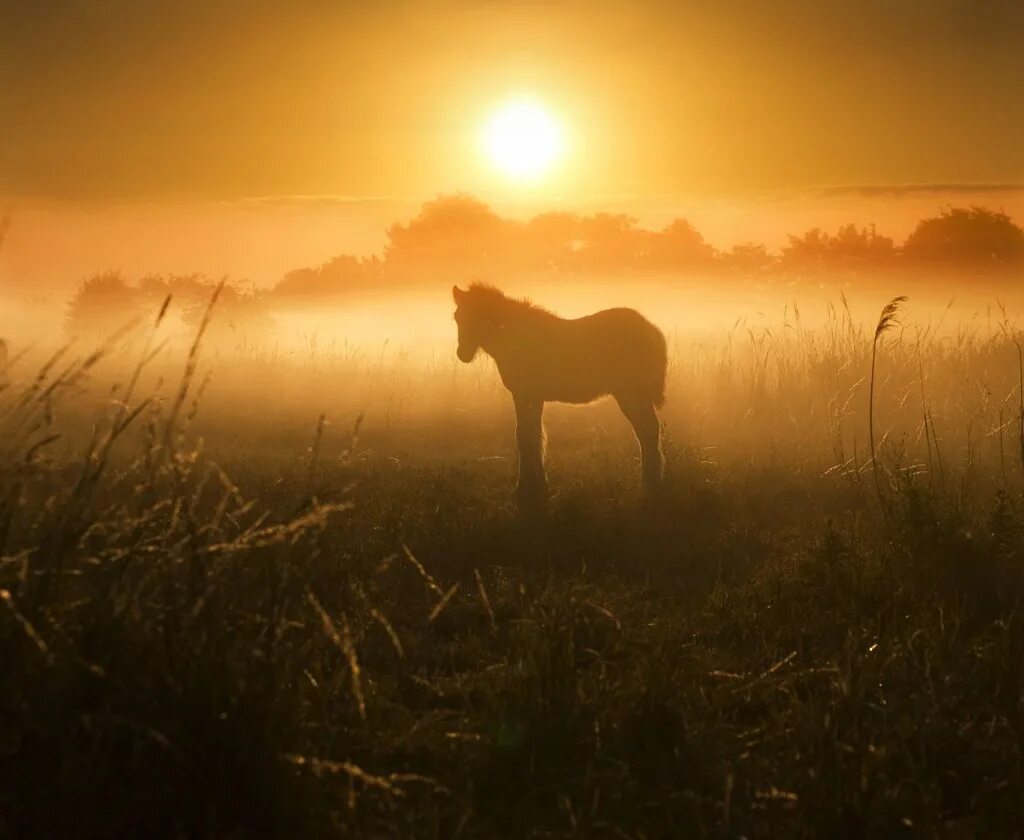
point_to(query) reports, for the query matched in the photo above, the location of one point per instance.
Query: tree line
(458, 236)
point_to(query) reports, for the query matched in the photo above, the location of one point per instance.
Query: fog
(782, 334)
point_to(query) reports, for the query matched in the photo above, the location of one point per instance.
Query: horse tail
(660, 368)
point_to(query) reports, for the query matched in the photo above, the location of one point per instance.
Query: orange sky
(116, 98)
(137, 135)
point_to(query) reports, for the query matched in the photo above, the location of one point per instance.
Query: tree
(861, 246)
(973, 235)
(104, 304)
(678, 246)
(850, 247)
(552, 239)
(342, 275)
(453, 235)
(611, 241)
(747, 257)
(107, 303)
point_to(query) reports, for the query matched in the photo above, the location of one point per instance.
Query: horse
(544, 358)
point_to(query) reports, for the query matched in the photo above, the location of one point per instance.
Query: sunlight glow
(523, 139)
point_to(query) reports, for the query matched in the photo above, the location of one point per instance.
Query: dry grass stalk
(343, 641)
(887, 320)
(485, 600)
(427, 577)
(445, 600)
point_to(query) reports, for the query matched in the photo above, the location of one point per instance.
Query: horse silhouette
(544, 358)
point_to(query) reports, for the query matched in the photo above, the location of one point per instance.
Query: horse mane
(491, 298)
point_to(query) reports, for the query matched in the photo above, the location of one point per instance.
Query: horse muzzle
(466, 354)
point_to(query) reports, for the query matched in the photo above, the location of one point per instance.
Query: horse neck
(522, 331)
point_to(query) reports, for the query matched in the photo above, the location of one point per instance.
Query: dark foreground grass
(270, 640)
(382, 648)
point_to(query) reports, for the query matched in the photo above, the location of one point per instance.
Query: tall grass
(212, 626)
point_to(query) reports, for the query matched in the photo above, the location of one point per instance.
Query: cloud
(313, 200)
(898, 190)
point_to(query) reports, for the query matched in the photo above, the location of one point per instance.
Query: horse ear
(457, 294)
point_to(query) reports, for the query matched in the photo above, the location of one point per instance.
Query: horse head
(478, 319)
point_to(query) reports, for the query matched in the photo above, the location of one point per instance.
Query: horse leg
(532, 484)
(644, 419)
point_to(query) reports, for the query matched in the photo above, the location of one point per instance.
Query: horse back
(614, 351)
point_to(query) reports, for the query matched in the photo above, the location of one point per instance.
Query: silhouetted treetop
(342, 275)
(611, 241)
(103, 304)
(458, 237)
(747, 258)
(452, 231)
(554, 239)
(967, 235)
(849, 247)
(463, 234)
(108, 302)
(679, 245)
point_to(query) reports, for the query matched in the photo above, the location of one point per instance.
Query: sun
(523, 140)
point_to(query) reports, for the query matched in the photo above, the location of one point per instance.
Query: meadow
(250, 591)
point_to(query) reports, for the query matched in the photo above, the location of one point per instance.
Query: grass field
(297, 600)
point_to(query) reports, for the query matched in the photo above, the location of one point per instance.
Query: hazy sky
(197, 98)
